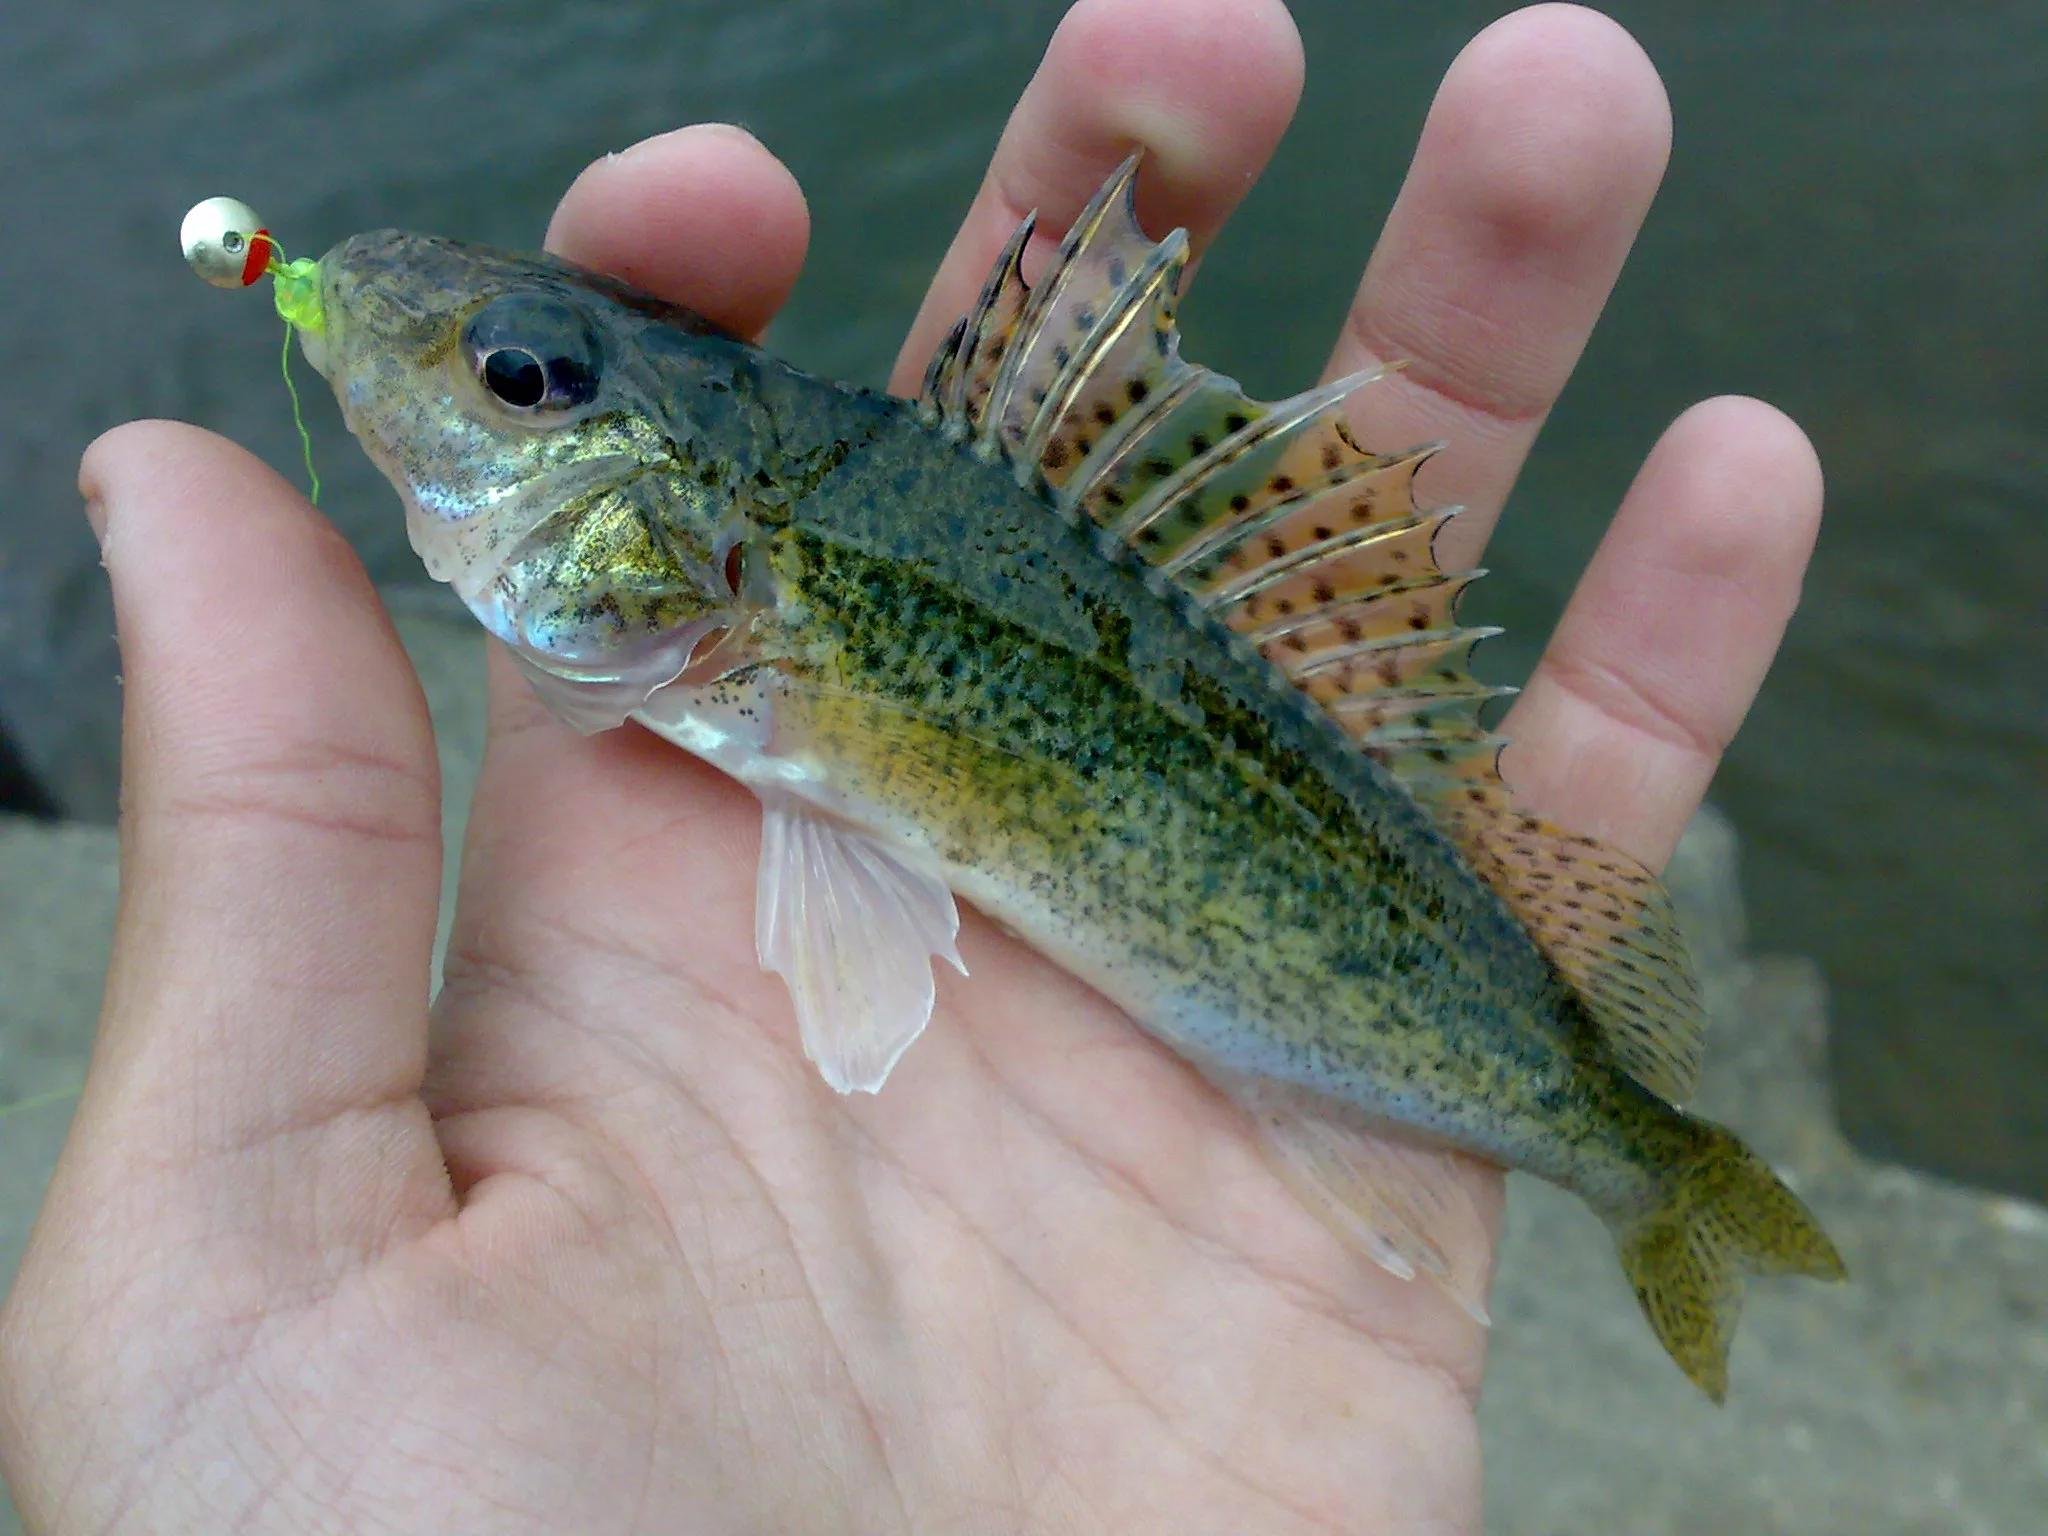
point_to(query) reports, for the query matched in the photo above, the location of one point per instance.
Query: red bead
(257, 262)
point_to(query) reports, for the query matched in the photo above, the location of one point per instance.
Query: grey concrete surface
(1912, 1402)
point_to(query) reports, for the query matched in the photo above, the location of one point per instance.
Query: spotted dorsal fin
(1604, 921)
(1273, 518)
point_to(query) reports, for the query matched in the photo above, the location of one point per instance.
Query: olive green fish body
(1164, 678)
(1110, 772)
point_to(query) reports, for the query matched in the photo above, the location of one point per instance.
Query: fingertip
(110, 459)
(1746, 484)
(705, 216)
(1155, 73)
(280, 791)
(1205, 87)
(1751, 437)
(151, 467)
(1668, 637)
(1536, 167)
(234, 597)
(149, 450)
(1561, 122)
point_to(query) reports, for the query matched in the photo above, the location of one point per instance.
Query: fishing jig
(226, 244)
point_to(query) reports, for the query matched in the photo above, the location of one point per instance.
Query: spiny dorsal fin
(1275, 519)
(964, 368)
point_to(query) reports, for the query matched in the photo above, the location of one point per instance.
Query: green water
(1854, 227)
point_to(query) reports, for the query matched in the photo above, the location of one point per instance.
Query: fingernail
(724, 131)
(731, 131)
(96, 519)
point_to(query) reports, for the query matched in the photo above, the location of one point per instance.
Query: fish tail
(1720, 1215)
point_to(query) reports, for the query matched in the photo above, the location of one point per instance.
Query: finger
(1672, 627)
(704, 216)
(1538, 161)
(1204, 87)
(280, 817)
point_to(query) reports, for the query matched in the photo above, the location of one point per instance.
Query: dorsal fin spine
(1332, 659)
(1251, 581)
(1388, 705)
(1230, 534)
(1008, 268)
(1160, 273)
(1047, 293)
(1141, 513)
(1126, 437)
(1286, 624)
(929, 406)
(1284, 417)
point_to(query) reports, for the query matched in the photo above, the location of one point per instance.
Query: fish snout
(390, 292)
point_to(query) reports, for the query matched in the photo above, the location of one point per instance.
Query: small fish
(1164, 678)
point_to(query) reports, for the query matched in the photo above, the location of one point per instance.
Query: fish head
(532, 433)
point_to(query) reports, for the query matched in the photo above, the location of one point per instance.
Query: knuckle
(1625, 699)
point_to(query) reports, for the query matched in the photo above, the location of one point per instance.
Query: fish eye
(534, 353)
(516, 377)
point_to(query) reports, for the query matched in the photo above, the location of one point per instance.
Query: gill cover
(516, 406)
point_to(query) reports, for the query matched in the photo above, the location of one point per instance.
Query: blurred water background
(1855, 227)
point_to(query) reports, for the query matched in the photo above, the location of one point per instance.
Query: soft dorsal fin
(1272, 517)
(1604, 921)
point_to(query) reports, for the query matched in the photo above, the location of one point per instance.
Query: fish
(1162, 678)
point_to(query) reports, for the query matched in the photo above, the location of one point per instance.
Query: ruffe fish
(1163, 678)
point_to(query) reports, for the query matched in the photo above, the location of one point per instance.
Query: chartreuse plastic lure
(1166, 679)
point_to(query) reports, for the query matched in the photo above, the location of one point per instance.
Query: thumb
(280, 842)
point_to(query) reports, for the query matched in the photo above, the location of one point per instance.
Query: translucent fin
(1276, 520)
(852, 929)
(1723, 1214)
(594, 701)
(1080, 327)
(964, 368)
(941, 375)
(1407, 1207)
(585, 706)
(1605, 922)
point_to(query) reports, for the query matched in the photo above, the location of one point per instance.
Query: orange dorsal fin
(1280, 524)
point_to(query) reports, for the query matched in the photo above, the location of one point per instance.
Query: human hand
(591, 1249)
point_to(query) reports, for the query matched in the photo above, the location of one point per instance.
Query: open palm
(588, 1248)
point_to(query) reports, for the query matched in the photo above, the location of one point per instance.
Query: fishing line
(226, 244)
(284, 364)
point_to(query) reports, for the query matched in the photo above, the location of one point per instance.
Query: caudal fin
(1724, 1215)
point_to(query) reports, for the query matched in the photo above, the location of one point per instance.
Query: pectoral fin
(852, 927)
